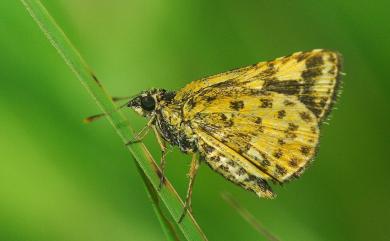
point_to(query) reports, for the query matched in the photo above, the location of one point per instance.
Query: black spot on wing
(223, 117)
(288, 103)
(323, 101)
(241, 171)
(237, 105)
(302, 56)
(332, 59)
(305, 150)
(305, 116)
(280, 170)
(215, 159)
(263, 185)
(210, 128)
(207, 148)
(293, 162)
(270, 70)
(337, 60)
(281, 142)
(288, 87)
(225, 169)
(290, 131)
(285, 59)
(265, 163)
(224, 84)
(310, 103)
(265, 103)
(210, 98)
(332, 70)
(281, 114)
(310, 74)
(291, 135)
(314, 61)
(245, 138)
(278, 154)
(258, 120)
(292, 127)
(313, 129)
(313, 71)
(229, 123)
(231, 163)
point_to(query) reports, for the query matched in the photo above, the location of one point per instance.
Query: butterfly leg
(163, 147)
(142, 133)
(192, 174)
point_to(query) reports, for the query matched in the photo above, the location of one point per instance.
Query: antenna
(98, 116)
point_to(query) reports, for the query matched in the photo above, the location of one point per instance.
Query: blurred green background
(63, 180)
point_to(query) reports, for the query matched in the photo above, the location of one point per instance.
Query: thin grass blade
(168, 195)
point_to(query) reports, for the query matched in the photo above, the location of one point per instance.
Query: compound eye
(148, 103)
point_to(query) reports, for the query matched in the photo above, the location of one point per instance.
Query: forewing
(313, 77)
(274, 132)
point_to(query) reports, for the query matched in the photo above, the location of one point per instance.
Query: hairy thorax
(175, 130)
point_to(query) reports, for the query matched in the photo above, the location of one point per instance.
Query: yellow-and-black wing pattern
(313, 76)
(270, 135)
(261, 122)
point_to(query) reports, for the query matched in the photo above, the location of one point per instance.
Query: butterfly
(253, 125)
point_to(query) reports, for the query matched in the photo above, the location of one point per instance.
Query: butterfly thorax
(174, 129)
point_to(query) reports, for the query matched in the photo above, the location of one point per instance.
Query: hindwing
(275, 134)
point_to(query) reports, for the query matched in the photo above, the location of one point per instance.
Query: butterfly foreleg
(142, 133)
(163, 147)
(192, 174)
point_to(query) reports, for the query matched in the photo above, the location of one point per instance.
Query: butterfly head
(147, 102)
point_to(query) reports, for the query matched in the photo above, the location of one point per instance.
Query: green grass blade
(139, 152)
(167, 224)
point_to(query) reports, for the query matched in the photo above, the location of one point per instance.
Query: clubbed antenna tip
(93, 118)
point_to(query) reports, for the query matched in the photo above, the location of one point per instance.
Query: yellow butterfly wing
(261, 122)
(312, 76)
(275, 134)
